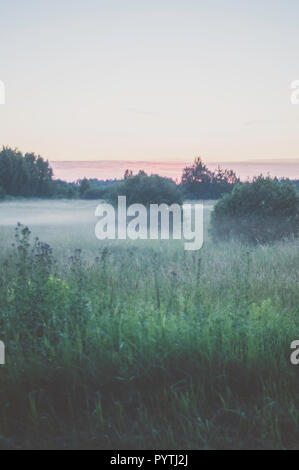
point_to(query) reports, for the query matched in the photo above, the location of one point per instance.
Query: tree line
(29, 175)
(24, 175)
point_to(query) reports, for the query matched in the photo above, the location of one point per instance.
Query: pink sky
(71, 171)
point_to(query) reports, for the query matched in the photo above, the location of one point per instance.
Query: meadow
(142, 345)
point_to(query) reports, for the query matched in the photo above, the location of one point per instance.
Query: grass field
(142, 345)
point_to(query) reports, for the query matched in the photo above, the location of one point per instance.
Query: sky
(150, 80)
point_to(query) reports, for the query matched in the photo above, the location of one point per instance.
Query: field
(142, 345)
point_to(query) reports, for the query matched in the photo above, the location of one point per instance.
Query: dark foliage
(263, 211)
(144, 189)
(95, 193)
(198, 182)
(64, 190)
(24, 175)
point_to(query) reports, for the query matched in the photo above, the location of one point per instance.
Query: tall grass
(148, 346)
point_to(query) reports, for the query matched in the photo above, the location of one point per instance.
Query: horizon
(107, 169)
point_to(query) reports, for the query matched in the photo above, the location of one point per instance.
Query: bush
(94, 193)
(263, 211)
(64, 190)
(144, 189)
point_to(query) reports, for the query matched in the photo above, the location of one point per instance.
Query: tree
(196, 179)
(83, 187)
(223, 182)
(128, 174)
(95, 193)
(198, 182)
(263, 211)
(64, 190)
(25, 175)
(144, 189)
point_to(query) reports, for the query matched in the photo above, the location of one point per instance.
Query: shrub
(94, 193)
(64, 190)
(144, 189)
(263, 211)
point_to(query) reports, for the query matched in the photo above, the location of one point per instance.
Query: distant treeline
(24, 175)
(29, 175)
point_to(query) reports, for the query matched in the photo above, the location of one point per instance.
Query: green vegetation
(263, 211)
(198, 182)
(30, 176)
(144, 189)
(143, 345)
(63, 190)
(24, 175)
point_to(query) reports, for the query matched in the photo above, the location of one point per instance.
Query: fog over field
(48, 212)
(64, 224)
